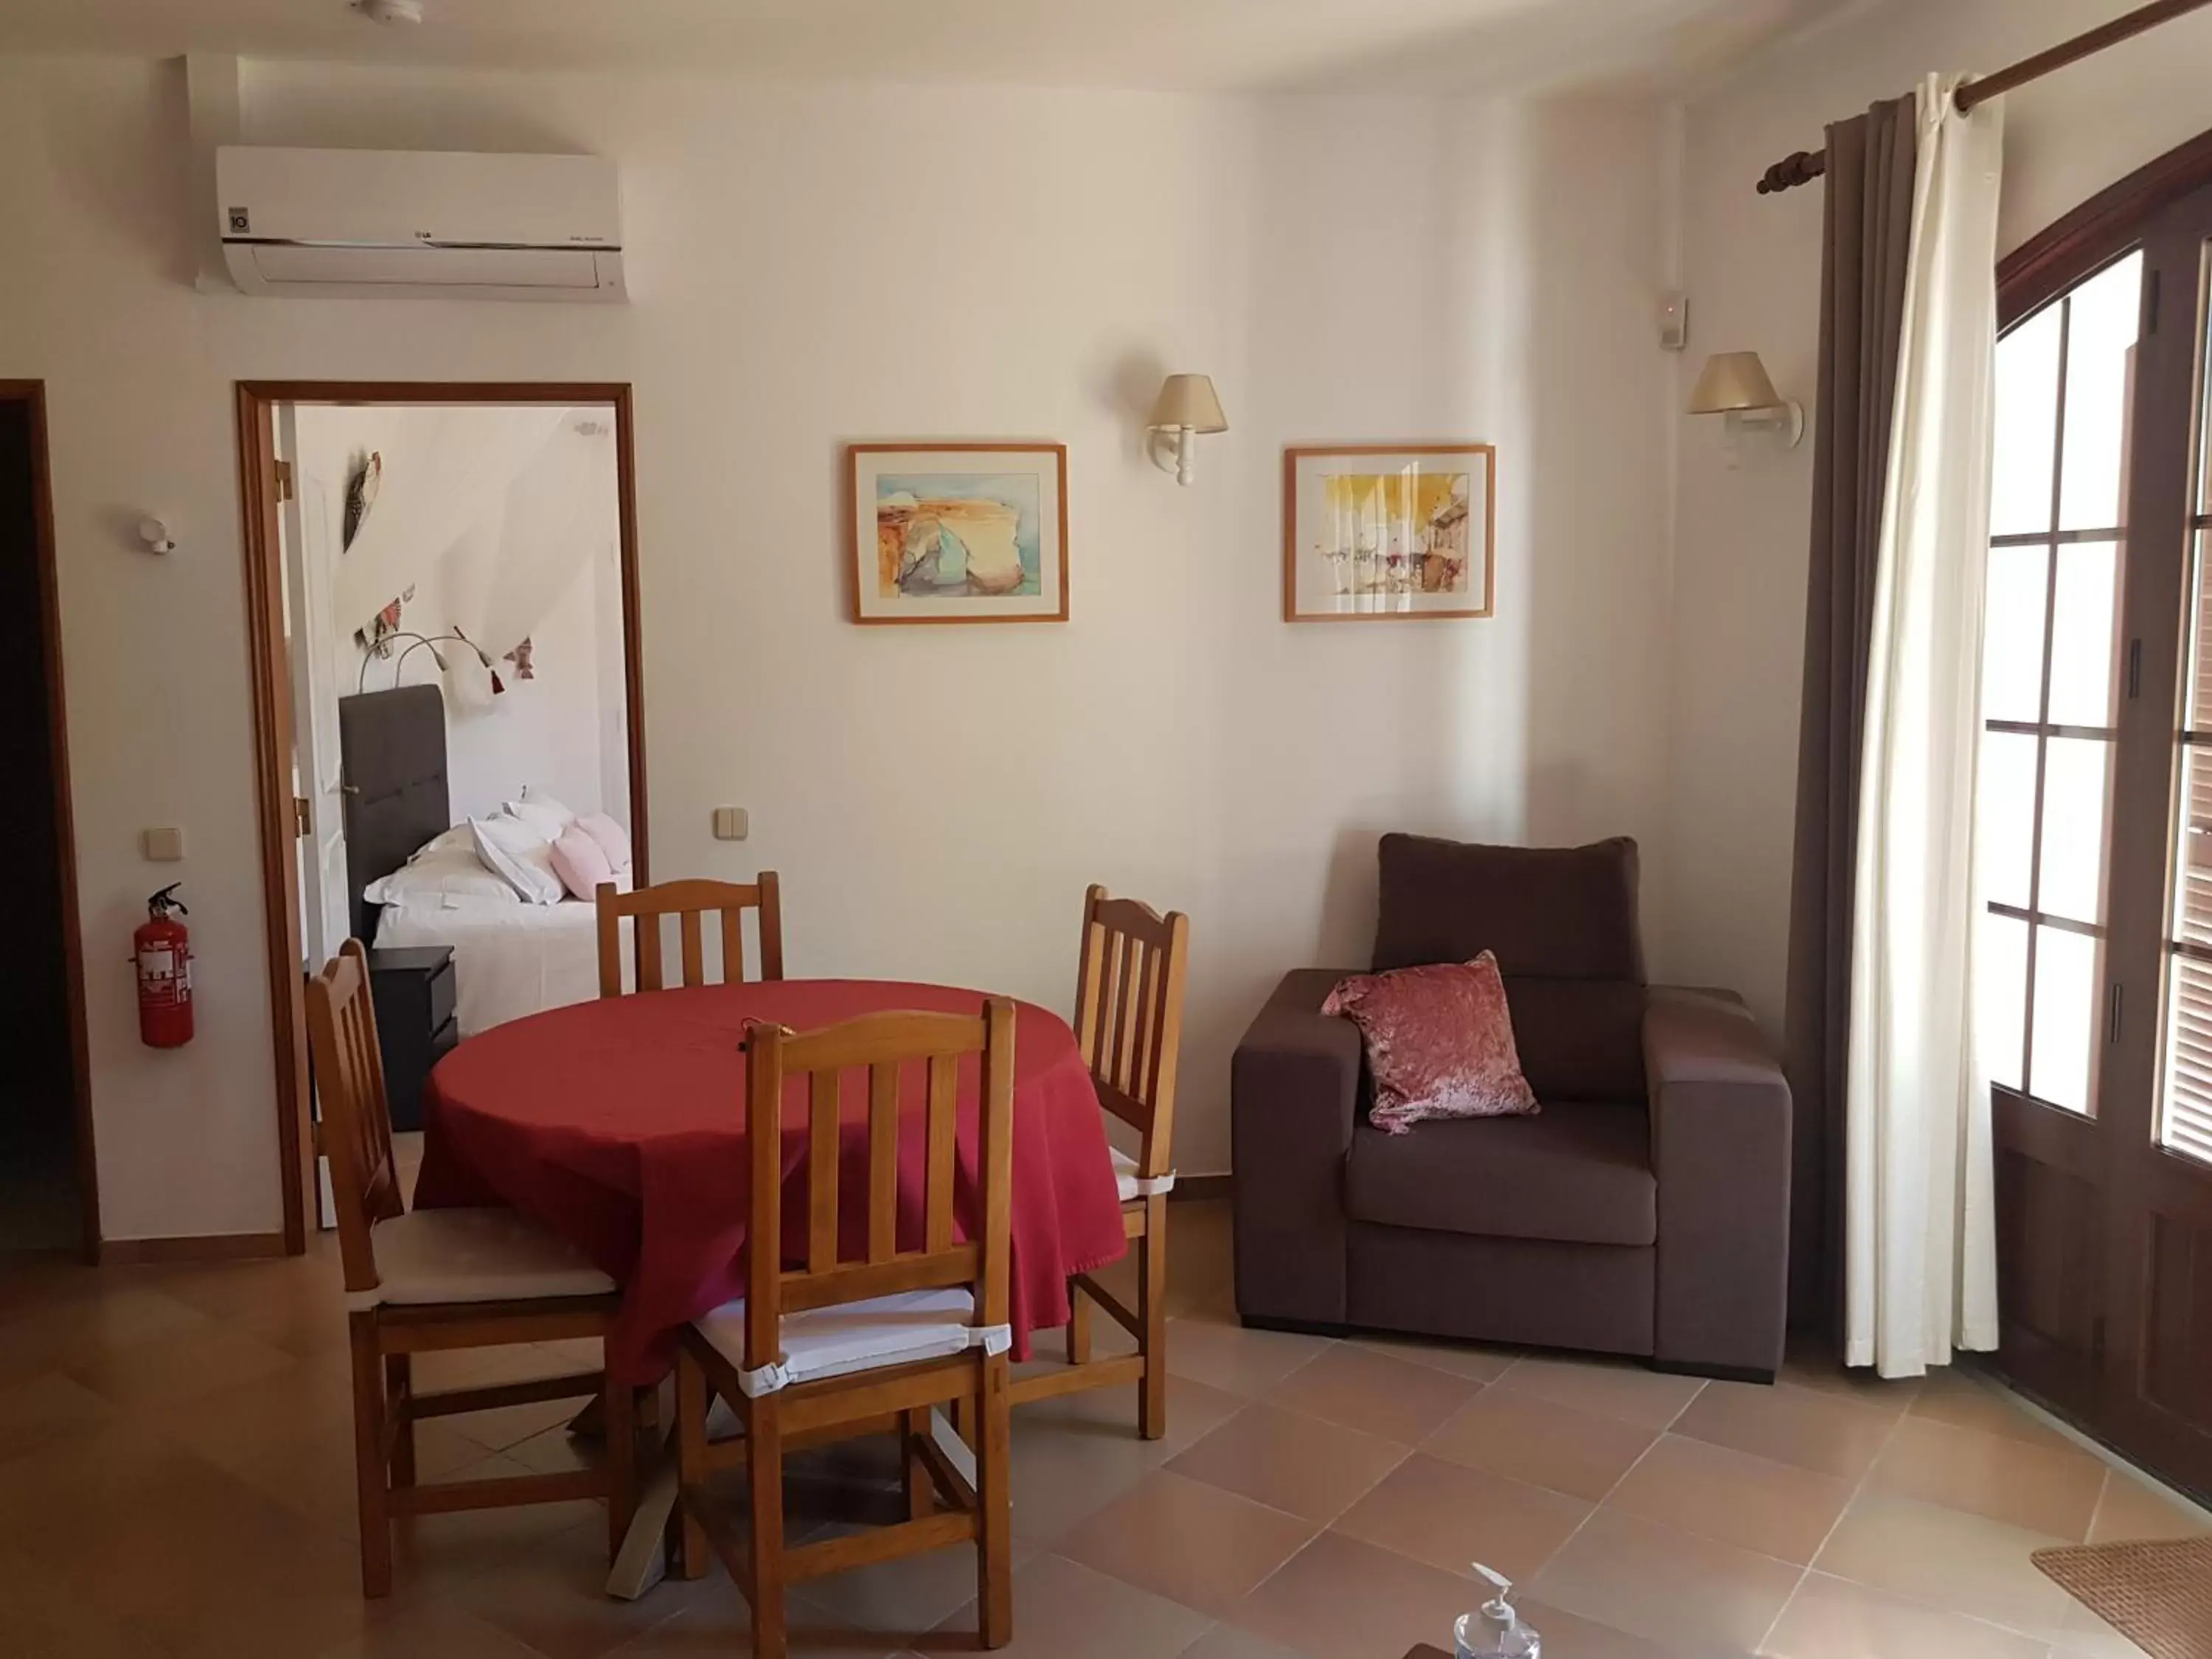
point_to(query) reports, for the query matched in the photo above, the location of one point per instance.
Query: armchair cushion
(1579, 1174)
(1546, 912)
(1579, 1039)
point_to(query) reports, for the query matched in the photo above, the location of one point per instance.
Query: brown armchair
(1645, 1211)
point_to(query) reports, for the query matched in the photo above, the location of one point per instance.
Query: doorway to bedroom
(445, 672)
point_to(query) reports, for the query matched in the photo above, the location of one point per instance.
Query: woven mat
(2159, 1595)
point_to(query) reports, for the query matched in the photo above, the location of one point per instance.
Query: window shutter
(2189, 1058)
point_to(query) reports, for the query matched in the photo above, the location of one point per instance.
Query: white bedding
(509, 960)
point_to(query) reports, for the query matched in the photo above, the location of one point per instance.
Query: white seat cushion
(474, 1255)
(1132, 1186)
(856, 1336)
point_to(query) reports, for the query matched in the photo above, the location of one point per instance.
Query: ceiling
(1319, 45)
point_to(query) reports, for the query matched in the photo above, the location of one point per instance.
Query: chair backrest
(890, 1047)
(1562, 922)
(1128, 1015)
(356, 1116)
(689, 902)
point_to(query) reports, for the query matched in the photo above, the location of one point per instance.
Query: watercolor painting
(959, 532)
(951, 535)
(1372, 531)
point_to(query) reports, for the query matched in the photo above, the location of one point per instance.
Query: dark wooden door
(2097, 836)
(2158, 1381)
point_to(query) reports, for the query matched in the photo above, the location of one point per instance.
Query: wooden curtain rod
(1803, 167)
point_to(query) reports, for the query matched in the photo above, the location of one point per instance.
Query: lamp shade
(1188, 400)
(1733, 381)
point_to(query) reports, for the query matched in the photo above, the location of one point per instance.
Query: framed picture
(1376, 530)
(958, 532)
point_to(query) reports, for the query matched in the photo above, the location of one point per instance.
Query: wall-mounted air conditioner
(395, 224)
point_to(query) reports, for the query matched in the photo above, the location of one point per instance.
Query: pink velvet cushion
(1439, 1042)
(580, 862)
(613, 839)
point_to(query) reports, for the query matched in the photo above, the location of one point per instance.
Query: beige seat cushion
(856, 1336)
(474, 1255)
(1131, 1184)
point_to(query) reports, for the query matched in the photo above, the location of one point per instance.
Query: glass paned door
(2095, 821)
(2057, 529)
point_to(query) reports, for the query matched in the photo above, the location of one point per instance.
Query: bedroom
(454, 586)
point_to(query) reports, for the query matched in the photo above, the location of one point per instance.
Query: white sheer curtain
(1920, 1262)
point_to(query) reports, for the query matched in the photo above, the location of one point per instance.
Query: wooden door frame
(269, 666)
(31, 394)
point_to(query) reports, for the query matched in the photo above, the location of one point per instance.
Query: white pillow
(519, 853)
(460, 837)
(547, 816)
(442, 870)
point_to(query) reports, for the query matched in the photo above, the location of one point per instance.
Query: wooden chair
(435, 1279)
(1129, 1021)
(689, 901)
(840, 1348)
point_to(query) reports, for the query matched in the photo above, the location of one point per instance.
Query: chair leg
(764, 1484)
(1078, 1325)
(622, 1460)
(995, 1556)
(399, 1397)
(690, 1538)
(920, 1485)
(369, 1474)
(1152, 1314)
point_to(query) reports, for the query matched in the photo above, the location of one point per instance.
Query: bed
(509, 960)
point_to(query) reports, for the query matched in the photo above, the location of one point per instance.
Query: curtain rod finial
(1798, 168)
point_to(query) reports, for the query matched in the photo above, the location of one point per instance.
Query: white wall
(1753, 271)
(519, 537)
(812, 267)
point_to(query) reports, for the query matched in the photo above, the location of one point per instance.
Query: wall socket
(730, 823)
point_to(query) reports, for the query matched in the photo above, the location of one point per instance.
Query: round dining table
(619, 1125)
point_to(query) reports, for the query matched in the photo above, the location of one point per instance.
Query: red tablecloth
(618, 1125)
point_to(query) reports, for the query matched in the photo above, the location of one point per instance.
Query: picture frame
(956, 533)
(1375, 533)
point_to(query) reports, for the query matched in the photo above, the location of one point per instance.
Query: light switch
(161, 845)
(730, 823)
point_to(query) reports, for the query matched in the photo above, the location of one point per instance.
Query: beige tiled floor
(176, 1480)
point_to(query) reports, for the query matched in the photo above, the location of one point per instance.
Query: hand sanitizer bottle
(1497, 1631)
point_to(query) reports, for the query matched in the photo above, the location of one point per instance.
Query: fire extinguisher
(162, 949)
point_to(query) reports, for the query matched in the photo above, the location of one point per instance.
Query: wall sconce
(429, 642)
(1185, 407)
(1735, 383)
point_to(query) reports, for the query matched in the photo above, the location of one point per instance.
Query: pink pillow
(1439, 1042)
(581, 863)
(612, 838)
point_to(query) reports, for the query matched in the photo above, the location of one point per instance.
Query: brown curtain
(1863, 265)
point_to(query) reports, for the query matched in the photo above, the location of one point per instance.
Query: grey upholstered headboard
(393, 746)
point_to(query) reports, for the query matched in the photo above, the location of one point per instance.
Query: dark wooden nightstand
(415, 1024)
